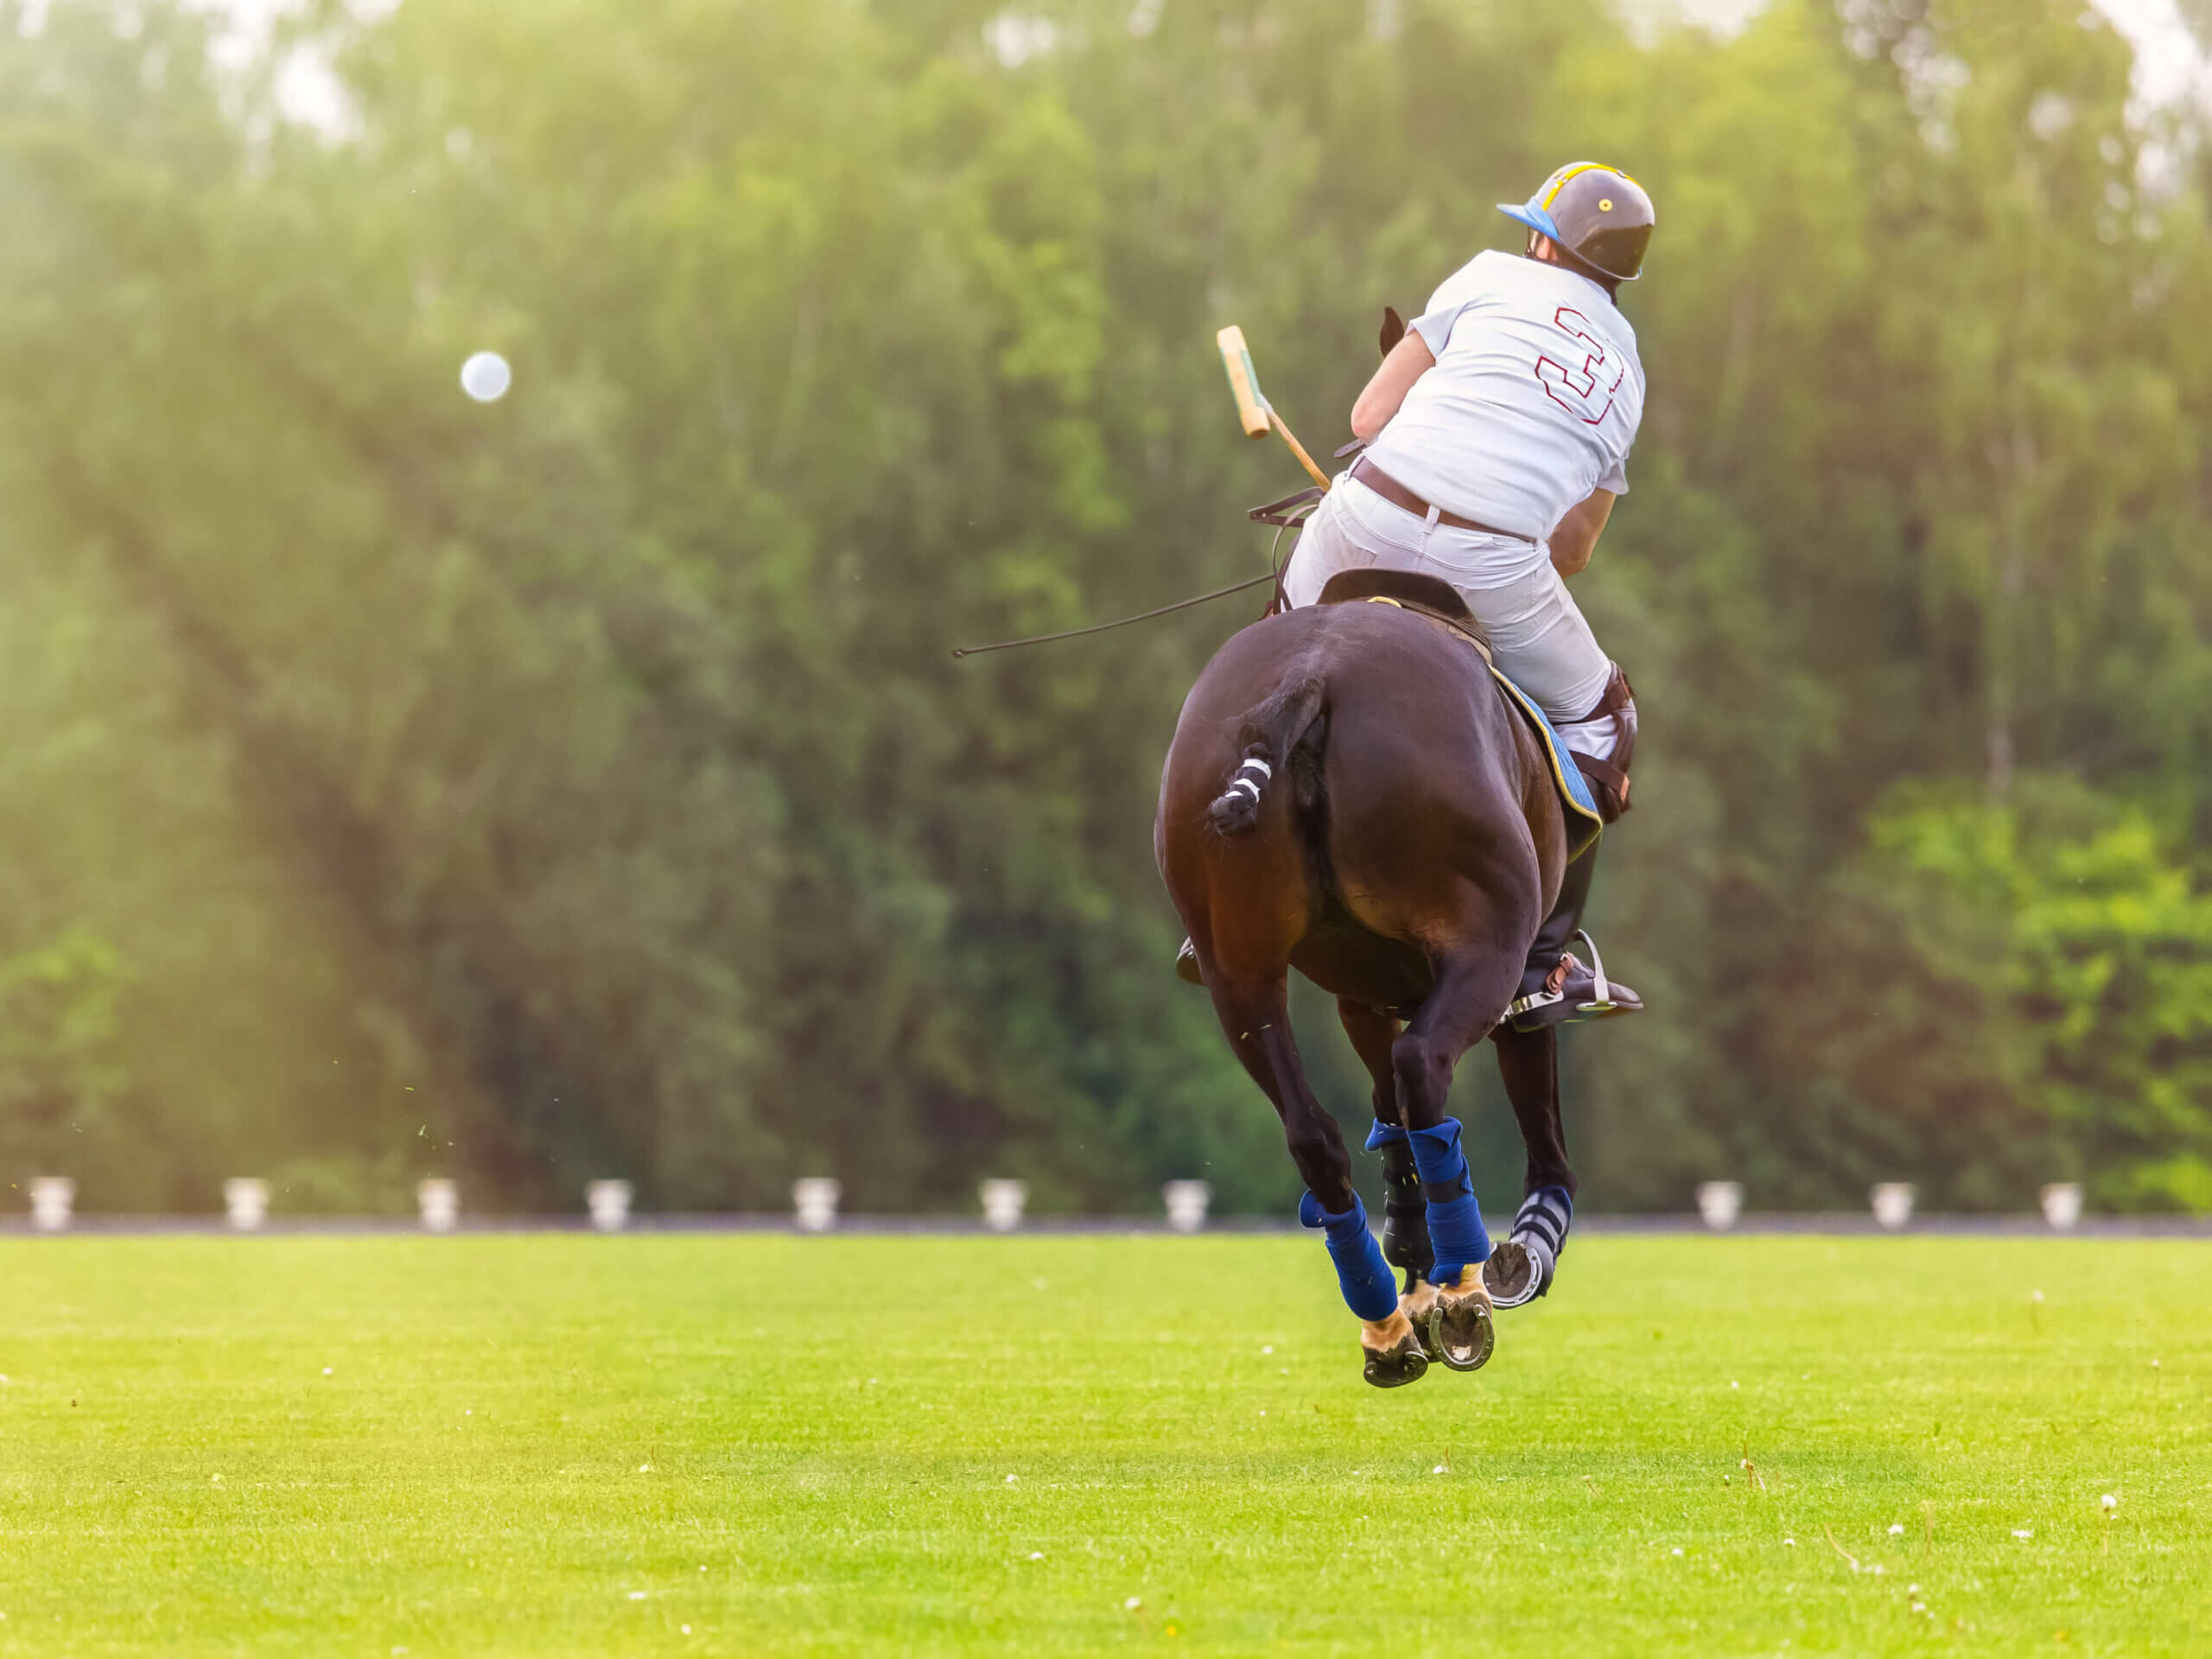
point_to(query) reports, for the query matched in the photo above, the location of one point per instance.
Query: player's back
(1533, 403)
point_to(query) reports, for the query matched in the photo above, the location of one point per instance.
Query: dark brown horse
(1349, 793)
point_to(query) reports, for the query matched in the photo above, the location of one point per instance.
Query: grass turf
(543, 1444)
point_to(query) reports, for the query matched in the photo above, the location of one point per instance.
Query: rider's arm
(1409, 359)
(1575, 537)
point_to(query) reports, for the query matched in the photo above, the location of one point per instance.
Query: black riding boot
(1557, 986)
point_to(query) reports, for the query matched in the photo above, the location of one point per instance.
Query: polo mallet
(1253, 409)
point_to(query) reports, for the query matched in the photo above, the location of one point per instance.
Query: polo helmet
(1596, 213)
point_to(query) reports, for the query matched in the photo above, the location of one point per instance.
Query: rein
(1101, 627)
(1288, 514)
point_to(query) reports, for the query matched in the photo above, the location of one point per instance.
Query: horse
(1349, 792)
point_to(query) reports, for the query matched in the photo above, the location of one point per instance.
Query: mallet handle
(1298, 449)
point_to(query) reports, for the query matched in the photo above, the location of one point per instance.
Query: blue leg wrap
(1455, 1220)
(1384, 1135)
(1369, 1289)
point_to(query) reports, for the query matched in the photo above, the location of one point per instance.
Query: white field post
(52, 1197)
(815, 1199)
(610, 1204)
(246, 1201)
(440, 1201)
(1186, 1205)
(2061, 1204)
(1893, 1202)
(1720, 1202)
(1003, 1203)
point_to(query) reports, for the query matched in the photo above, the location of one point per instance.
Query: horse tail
(1265, 739)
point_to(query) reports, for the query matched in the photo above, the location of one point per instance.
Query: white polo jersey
(1533, 403)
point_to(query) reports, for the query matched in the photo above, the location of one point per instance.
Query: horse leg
(1473, 985)
(1255, 1018)
(1405, 1215)
(1520, 1269)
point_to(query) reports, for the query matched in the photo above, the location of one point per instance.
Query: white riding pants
(1536, 628)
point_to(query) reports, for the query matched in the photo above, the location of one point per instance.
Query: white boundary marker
(1186, 1203)
(1893, 1203)
(610, 1204)
(1003, 1203)
(814, 1200)
(245, 1204)
(439, 1200)
(52, 1197)
(2061, 1204)
(1719, 1203)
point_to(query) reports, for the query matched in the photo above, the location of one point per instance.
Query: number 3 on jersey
(1583, 392)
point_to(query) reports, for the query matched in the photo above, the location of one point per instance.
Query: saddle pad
(1584, 823)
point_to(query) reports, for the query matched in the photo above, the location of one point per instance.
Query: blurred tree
(2067, 912)
(60, 1064)
(578, 785)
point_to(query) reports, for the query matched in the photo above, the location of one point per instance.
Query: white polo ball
(485, 377)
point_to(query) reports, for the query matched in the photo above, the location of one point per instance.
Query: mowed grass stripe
(533, 1445)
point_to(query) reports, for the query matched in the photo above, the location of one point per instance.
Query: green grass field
(550, 1445)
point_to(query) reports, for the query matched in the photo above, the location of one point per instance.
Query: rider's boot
(1186, 965)
(1557, 986)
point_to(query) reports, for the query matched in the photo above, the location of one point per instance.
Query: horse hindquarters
(1233, 849)
(1356, 765)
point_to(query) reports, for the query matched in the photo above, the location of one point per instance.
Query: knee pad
(1609, 778)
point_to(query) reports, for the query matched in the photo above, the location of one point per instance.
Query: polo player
(1496, 437)
(1498, 432)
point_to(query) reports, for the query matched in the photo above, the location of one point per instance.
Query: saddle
(1439, 602)
(1426, 596)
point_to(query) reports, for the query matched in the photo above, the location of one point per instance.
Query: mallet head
(1243, 382)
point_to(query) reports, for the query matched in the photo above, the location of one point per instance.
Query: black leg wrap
(1543, 1219)
(1523, 1267)
(1404, 1213)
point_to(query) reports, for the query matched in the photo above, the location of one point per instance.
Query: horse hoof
(1509, 1275)
(1426, 1331)
(1417, 1305)
(1461, 1330)
(1393, 1368)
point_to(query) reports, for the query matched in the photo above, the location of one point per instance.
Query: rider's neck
(1546, 251)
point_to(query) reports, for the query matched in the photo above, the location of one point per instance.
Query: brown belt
(1398, 496)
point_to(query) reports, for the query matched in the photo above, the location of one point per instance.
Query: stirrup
(1599, 988)
(1548, 1006)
